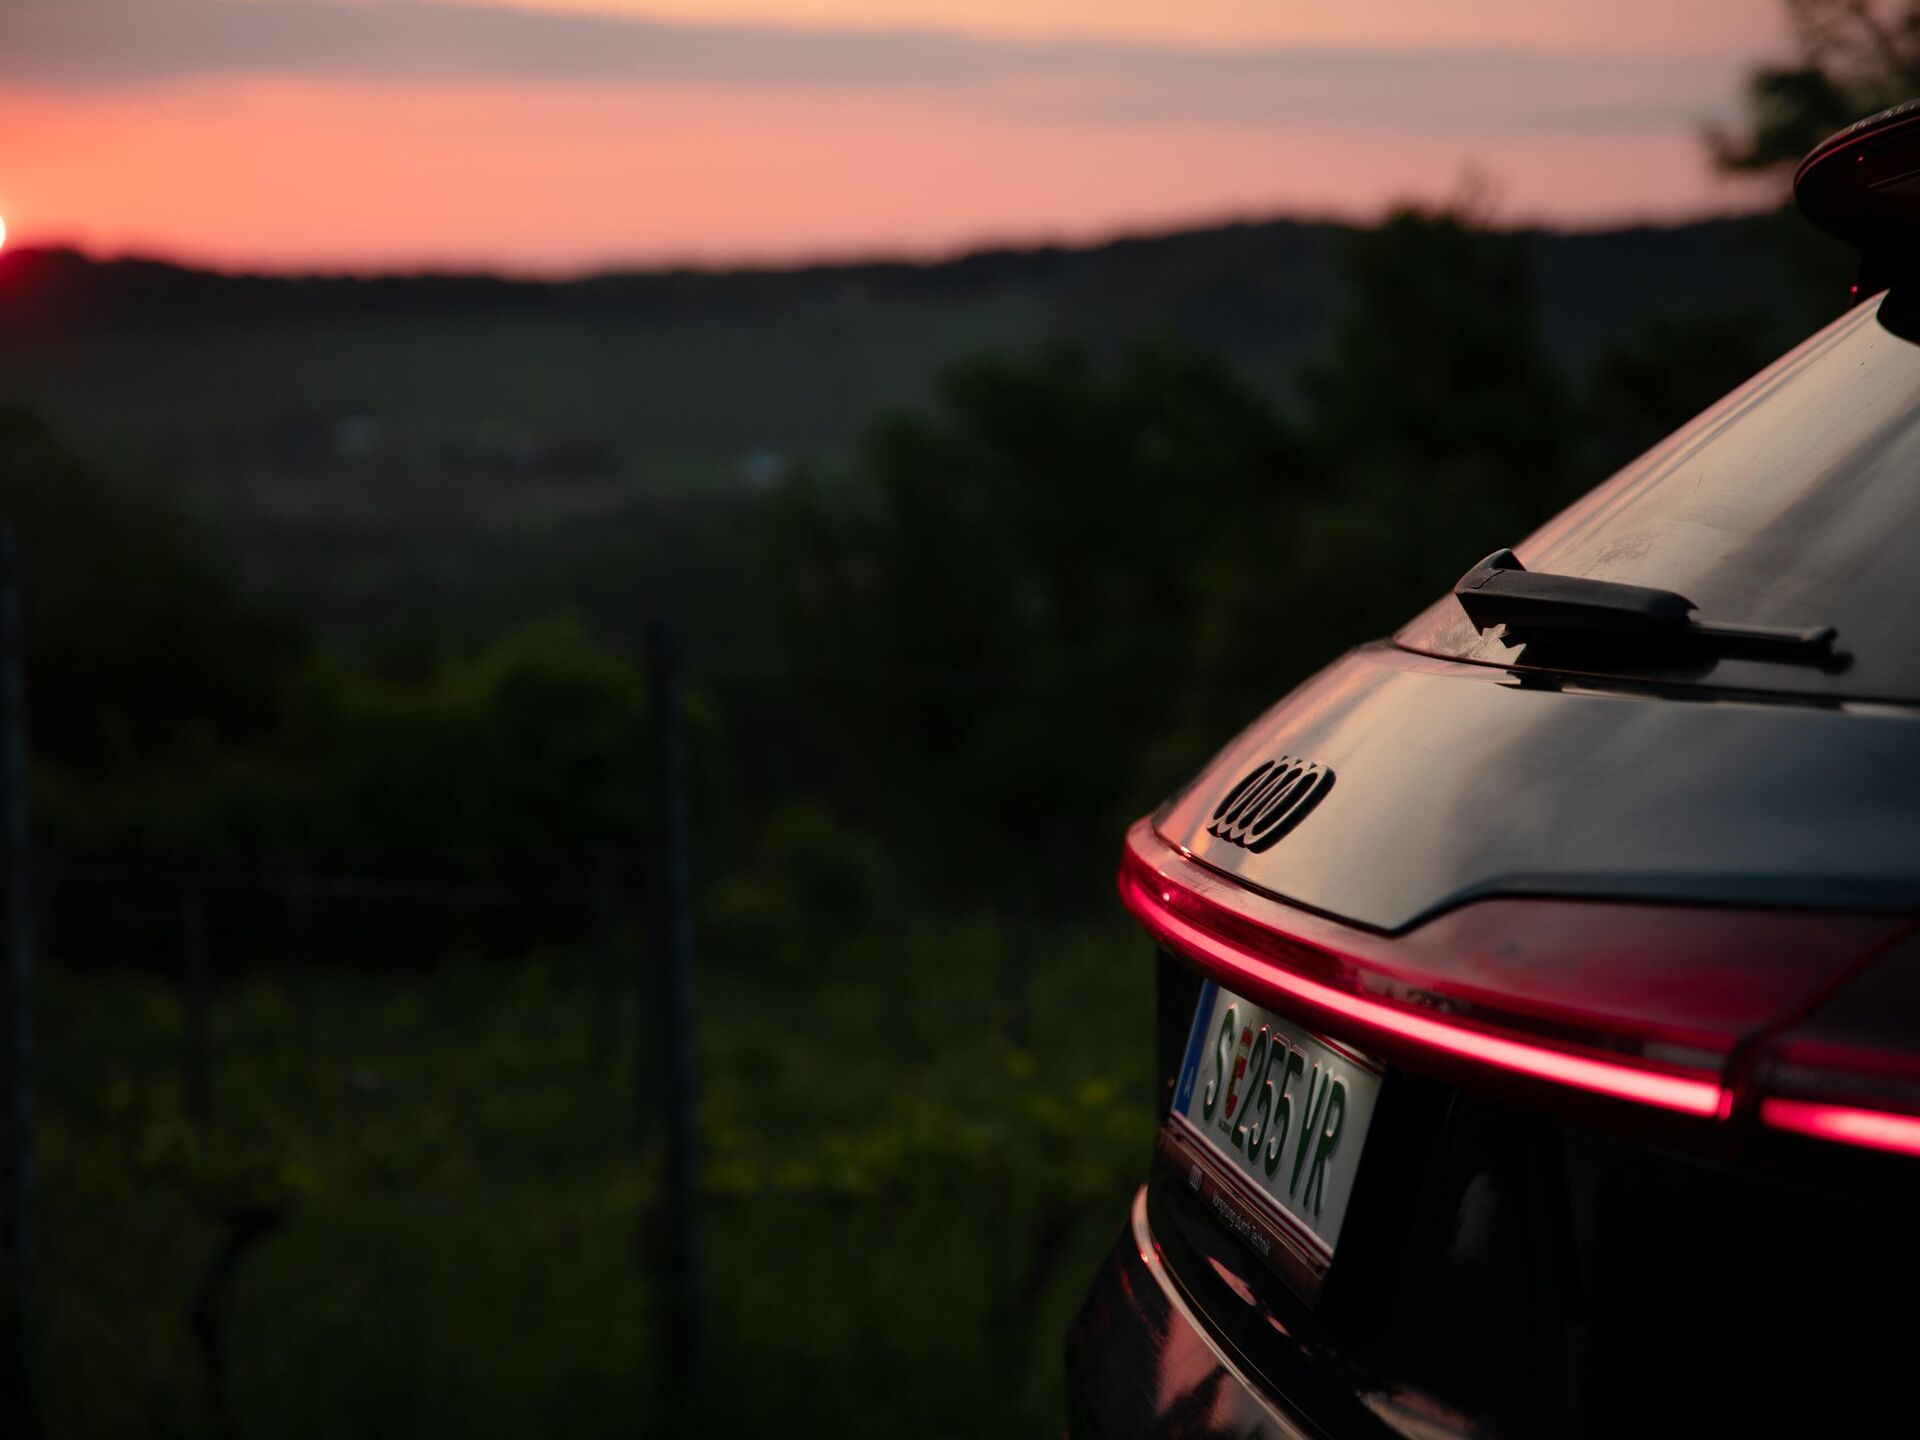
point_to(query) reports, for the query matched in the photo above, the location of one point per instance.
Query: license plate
(1275, 1118)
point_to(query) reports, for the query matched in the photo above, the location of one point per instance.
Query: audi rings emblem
(1266, 806)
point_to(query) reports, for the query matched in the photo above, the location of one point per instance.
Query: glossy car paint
(1791, 502)
(1512, 1266)
(1458, 781)
(1140, 1354)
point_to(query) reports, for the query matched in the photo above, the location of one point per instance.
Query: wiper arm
(1501, 591)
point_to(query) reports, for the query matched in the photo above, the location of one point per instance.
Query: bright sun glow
(3, 230)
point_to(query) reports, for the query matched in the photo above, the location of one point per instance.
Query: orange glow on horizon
(553, 135)
(546, 179)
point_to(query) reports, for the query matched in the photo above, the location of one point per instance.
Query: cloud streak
(71, 46)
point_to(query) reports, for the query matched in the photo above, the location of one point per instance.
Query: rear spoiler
(1863, 185)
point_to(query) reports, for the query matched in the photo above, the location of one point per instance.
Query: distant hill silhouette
(1238, 287)
(460, 449)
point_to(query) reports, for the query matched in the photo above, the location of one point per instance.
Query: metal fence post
(676, 1233)
(604, 901)
(18, 1397)
(196, 1054)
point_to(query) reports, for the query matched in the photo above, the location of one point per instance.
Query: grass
(901, 1203)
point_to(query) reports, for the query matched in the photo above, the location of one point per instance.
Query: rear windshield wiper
(1501, 591)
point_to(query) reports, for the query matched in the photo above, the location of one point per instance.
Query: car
(1539, 989)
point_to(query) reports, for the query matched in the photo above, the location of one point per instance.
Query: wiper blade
(1501, 591)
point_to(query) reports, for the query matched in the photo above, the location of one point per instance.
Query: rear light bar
(1245, 974)
(1849, 1070)
(1643, 1006)
(1872, 1129)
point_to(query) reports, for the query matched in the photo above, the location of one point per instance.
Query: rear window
(1794, 501)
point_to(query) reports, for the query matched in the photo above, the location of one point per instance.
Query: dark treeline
(1246, 285)
(1009, 622)
(1083, 577)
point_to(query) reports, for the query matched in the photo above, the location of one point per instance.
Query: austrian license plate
(1268, 1123)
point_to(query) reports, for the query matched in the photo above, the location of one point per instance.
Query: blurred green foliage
(529, 752)
(138, 640)
(1023, 616)
(997, 607)
(901, 1205)
(532, 747)
(1006, 622)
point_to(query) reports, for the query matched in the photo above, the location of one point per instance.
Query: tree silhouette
(1853, 59)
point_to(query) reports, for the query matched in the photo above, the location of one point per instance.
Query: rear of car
(1539, 1030)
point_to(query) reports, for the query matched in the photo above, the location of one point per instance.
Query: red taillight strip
(1255, 946)
(1237, 967)
(1875, 1129)
(1599, 1077)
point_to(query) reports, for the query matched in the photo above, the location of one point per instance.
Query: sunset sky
(559, 135)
